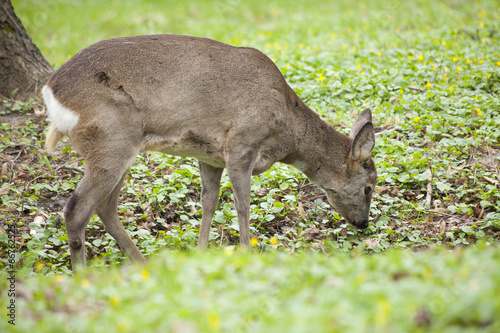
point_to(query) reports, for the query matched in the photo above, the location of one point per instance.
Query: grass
(432, 291)
(430, 73)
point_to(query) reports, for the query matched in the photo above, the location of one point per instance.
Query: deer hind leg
(105, 166)
(210, 184)
(107, 212)
(93, 189)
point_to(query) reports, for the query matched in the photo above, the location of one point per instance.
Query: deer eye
(368, 190)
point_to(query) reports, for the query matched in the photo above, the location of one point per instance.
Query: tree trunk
(22, 66)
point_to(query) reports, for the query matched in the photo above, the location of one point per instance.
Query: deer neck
(318, 146)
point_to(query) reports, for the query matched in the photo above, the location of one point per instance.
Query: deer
(229, 107)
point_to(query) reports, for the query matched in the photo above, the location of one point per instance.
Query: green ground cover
(430, 72)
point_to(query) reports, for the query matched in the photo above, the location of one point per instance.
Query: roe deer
(229, 107)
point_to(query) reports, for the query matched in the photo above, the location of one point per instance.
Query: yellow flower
(254, 241)
(85, 283)
(416, 119)
(321, 78)
(379, 55)
(481, 24)
(480, 61)
(362, 73)
(274, 240)
(115, 299)
(468, 61)
(421, 58)
(39, 266)
(428, 85)
(268, 45)
(444, 43)
(451, 88)
(277, 46)
(475, 59)
(396, 69)
(401, 91)
(383, 311)
(287, 66)
(480, 114)
(69, 56)
(455, 59)
(214, 321)
(458, 69)
(498, 63)
(410, 58)
(433, 67)
(358, 67)
(144, 274)
(488, 75)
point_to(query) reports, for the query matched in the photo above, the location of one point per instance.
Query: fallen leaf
(490, 180)
(310, 233)
(38, 112)
(387, 122)
(302, 212)
(371, 243)
(6, 157)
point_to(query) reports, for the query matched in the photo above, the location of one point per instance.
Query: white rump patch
(64, 118)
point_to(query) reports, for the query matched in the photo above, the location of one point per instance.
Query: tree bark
(22, 66)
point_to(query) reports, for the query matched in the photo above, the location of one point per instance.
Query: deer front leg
(240, 174)
(210, 184)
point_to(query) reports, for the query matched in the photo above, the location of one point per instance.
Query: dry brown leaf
(387, 122)
(302, 212)
(371, 243)
(6, 157)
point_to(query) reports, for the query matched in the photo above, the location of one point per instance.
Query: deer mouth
(361, 224)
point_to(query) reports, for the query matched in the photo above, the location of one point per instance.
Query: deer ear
(363, 143)
(365, 117)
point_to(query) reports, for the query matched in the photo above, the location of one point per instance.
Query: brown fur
(228, 107)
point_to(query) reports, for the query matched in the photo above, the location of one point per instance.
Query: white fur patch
(64, 118)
